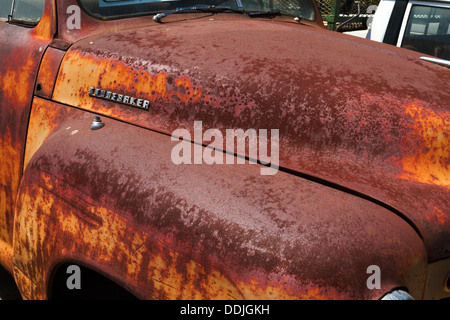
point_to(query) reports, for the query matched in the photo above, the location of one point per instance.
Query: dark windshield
(113, 9)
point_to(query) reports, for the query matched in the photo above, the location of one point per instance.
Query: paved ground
(8, 288)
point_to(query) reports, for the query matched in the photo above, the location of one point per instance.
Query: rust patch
(427, 147)
(48, 71)
(116, 76)
(44, 119)
(6, 256)
(438, 216)
(9, 182)
(22, 48)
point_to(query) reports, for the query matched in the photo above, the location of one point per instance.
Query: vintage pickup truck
(103, 105)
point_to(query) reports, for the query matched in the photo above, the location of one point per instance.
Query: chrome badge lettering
(119, 98)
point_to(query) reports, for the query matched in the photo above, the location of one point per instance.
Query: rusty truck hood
(357, 115)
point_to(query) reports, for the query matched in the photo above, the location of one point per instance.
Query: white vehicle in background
(422, 26)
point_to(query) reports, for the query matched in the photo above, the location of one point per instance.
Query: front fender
(114, 200)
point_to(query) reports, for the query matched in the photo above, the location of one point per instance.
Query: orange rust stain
(191, 91)
(22, 75)
(257, 289)
(9, 182)
(43, 120)
(109, 244)
(6, 255)
(428, 154)
(30, 233)
(28, 289)
(47, 181)
(135, 254)
(79, 72)
(46, 26)
(48, 71)
(193, 284)
(438, 216)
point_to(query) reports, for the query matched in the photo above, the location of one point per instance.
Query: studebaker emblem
(116, 97)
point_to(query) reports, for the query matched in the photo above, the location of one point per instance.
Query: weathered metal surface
(6, 255)
(20, 55)
(169, 231)
(383, 132)
(48, 71)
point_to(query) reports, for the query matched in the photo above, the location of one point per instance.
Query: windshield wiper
(272, 13)
(199, 7)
